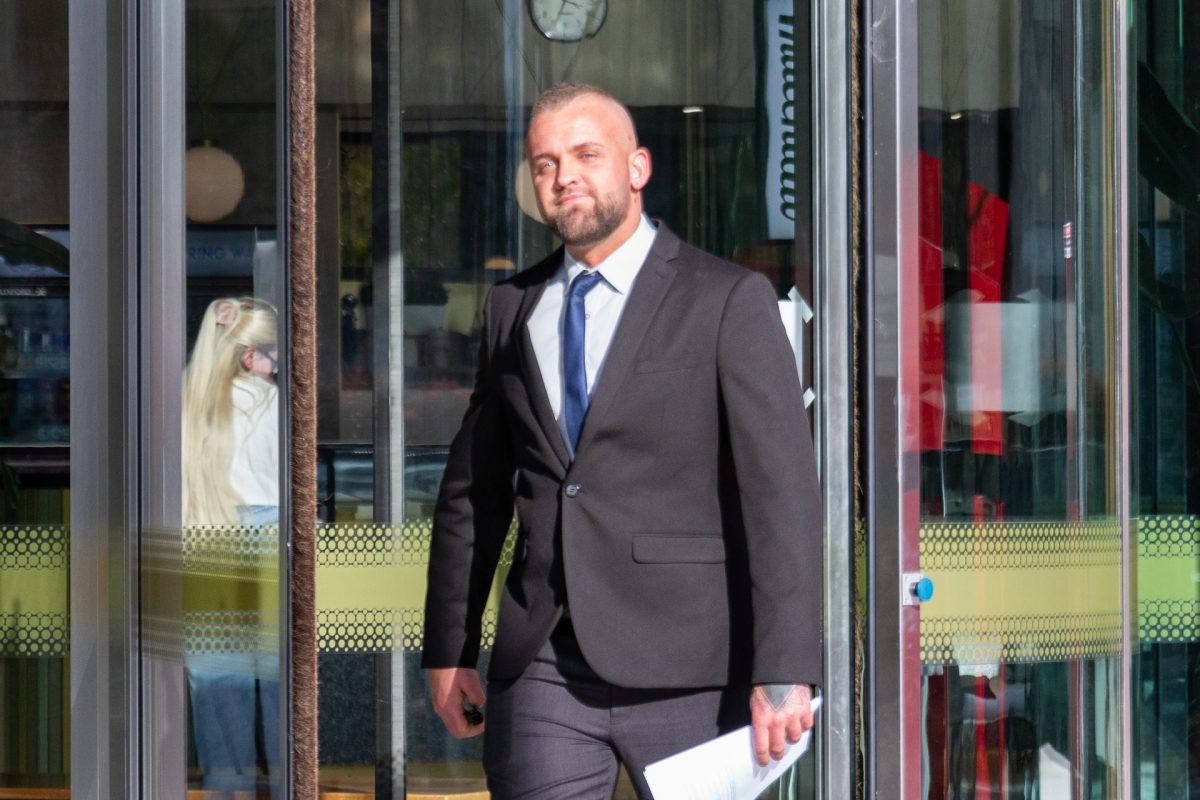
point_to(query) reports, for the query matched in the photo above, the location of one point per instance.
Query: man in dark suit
(667, 579)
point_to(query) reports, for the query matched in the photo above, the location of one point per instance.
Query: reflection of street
(433, 411)
(1005, 730)
(346, 481)
(987, 700)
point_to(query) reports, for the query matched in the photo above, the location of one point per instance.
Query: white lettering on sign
(780, 99)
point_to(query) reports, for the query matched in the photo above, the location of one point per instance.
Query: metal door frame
(127, 130)
(126, 198)
(833, 378)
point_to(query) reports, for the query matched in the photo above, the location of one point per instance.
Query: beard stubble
(580, 229)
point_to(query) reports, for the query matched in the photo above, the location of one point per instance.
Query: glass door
(35, 697)
(232, 456)
(423, 203)
(1163, 296)
(1009, 607)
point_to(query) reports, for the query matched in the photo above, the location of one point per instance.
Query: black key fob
(474, 715)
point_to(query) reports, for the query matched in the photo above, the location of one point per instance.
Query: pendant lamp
(215, 182)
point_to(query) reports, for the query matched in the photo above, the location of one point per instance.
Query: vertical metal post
(103, 580)
(393, 259)
(514, 102)
(381, 245)
(283, 782)
(397, 693)
(833, 294)
(160, 309)
(388, 361)
(1124, 263)
(286, 779)
(892, 690)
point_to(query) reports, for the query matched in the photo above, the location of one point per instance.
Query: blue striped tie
(575, 403)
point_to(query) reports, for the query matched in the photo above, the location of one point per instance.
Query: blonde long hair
(229, 327)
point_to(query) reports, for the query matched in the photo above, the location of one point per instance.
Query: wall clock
(568, 20)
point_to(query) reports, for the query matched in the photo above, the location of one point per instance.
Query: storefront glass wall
(1165, 254)
(423, 204)
(1010, 497)
(34, 399)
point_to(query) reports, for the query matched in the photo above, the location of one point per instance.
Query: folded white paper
(721, 769)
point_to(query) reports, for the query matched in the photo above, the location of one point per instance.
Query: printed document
(721, 769)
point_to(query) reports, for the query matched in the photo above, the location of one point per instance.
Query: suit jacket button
(572, 489)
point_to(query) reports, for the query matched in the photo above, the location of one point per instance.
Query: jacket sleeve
(780, 498)
(472, 517)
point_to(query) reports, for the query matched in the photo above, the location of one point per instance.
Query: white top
(254, 469)
(602, 311)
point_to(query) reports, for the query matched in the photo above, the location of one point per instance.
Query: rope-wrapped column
(303, 393)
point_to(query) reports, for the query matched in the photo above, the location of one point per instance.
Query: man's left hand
(779, 712)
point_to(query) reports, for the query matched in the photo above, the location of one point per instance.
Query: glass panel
(423, 205)
(34, 408)
(231, 402)
(1167, 399)
(1010, 405)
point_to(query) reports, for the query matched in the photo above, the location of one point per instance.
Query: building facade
(983, 223)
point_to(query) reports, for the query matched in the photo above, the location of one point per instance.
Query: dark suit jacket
(686, 534)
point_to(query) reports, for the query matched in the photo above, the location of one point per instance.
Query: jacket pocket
(665, 548)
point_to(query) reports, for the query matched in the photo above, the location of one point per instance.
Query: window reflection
(231, 416)
(1166, 397)
(231, 402)
(1012, 411)
(35, 702)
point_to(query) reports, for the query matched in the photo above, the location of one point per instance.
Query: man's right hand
(448, 687)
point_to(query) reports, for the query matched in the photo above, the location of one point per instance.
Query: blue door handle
(918, 588)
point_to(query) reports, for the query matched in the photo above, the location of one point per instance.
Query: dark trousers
(559, 730)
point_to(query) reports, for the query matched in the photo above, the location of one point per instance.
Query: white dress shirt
(602, 311)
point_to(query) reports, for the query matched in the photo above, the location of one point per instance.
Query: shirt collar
(623, 264)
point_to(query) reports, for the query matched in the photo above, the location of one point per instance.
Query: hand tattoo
(777, 693)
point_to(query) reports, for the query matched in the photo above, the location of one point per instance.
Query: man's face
(587, 170)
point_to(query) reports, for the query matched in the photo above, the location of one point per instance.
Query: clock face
(568, 20)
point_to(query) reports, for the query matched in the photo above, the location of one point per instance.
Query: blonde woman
(230, 417)
(231, 479)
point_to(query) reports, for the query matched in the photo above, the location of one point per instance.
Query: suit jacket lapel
(532, 373)
(647, 293)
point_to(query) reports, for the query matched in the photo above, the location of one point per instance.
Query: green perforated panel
(34, 587)
(371, 583)
(1168, 578)
(1021, 591)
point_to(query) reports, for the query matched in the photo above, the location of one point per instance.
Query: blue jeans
(235, 706)
(258, 515)
(235, 722)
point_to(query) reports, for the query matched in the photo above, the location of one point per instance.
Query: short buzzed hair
(560, 94)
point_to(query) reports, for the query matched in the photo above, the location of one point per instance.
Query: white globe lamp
(215, 182)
